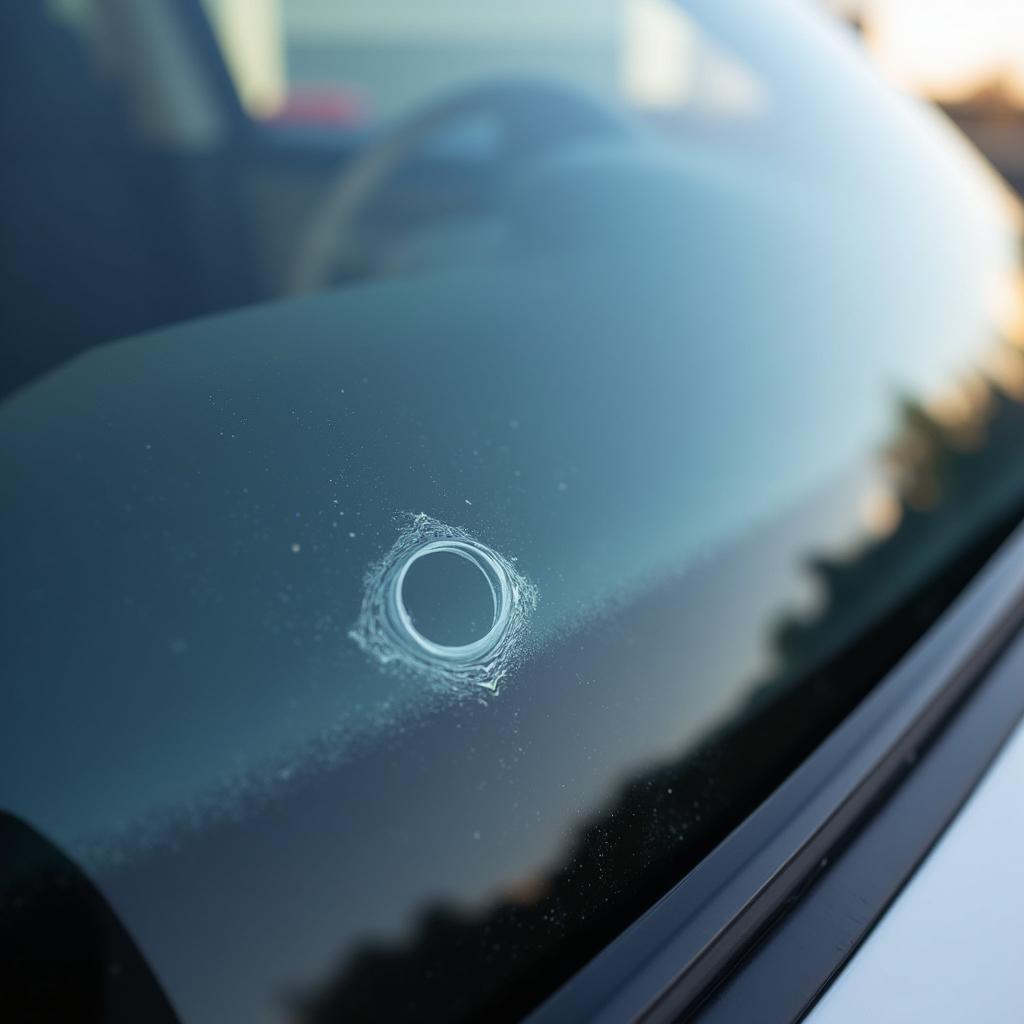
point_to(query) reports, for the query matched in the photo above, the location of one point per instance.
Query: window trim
(668, 962)
(794, 965)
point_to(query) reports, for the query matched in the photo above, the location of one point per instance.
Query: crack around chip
(386, 633)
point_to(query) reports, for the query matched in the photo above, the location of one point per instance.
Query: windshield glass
(459, 459)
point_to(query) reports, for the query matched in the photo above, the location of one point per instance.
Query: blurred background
(967, 56)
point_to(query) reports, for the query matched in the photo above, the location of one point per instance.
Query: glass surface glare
(700, 351)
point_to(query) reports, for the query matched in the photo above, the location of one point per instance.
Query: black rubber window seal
(667, 965)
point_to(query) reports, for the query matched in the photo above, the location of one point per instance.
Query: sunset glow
(949, 50)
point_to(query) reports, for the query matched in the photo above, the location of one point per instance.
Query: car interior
(152, 197)
(770, 413)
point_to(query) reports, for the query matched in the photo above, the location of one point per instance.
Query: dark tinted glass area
(458, 459)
